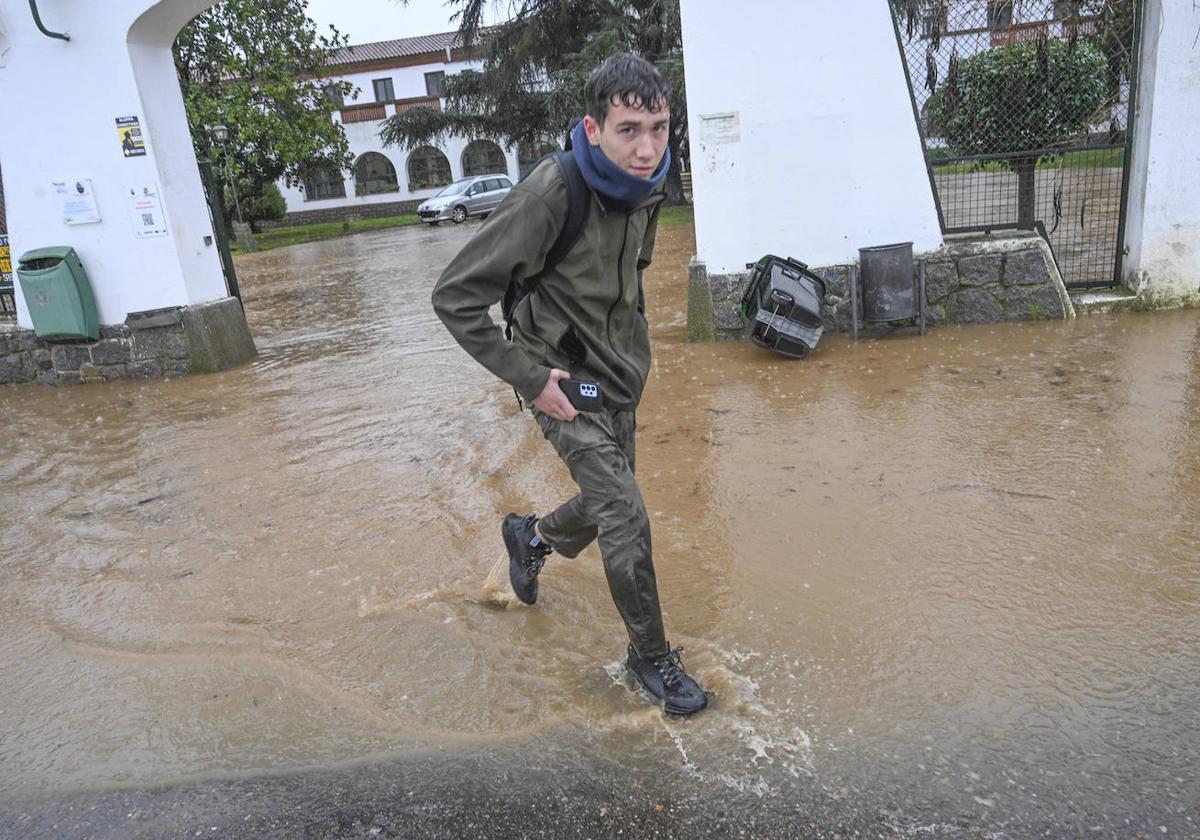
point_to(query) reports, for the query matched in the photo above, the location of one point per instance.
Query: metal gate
(1024, 113)
(212, 192)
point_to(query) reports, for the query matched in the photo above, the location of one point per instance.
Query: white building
(391, 76)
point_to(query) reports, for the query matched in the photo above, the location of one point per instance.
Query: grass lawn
(669, 216)
(279, 237)
(1084, 158)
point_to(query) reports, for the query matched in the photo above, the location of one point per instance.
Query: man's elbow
(441, 306)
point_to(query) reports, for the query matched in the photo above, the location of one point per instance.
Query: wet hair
(625, 79)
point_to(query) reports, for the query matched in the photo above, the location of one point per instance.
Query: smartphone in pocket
(584, 395)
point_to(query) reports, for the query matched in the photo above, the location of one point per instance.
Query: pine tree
(530, 86)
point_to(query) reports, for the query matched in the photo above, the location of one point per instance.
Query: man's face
(632, 138)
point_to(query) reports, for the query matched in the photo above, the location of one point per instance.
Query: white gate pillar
(96, 155)
(1162, 228)
(63, 100)
(802, 135)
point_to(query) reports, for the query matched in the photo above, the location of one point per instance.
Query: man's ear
(592, 128)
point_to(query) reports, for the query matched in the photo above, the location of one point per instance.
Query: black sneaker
(524, 560)
(666, 681)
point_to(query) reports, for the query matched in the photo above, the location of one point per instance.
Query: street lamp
(222, 132)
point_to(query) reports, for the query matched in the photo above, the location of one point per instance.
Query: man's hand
(552, 401)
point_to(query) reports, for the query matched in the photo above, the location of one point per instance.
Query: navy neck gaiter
(619, 188)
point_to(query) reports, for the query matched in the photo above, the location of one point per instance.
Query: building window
(434, 83)
(1065, 8)
(427, 168)
(528, 154)
(383, 90)
(324, 183)
(333, 94)
(1000, 14)
(482, 157)
(374, 174)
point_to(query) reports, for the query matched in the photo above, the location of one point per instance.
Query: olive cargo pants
(598, 449)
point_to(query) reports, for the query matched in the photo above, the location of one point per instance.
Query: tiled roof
(399, 48)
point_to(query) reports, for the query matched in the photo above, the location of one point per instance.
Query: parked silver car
(475, 196)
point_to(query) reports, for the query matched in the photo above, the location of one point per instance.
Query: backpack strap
(578, 209)
(651, 224)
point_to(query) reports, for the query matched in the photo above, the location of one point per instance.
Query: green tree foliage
(256, 66)
(531, 84)
(264, 205)
(1020, 99)
(1112, 24)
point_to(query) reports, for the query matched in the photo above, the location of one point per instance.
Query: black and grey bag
(782, 306)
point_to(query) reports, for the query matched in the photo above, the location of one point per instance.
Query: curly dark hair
(625, 79)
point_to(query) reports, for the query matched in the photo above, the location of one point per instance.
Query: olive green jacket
(593, 294)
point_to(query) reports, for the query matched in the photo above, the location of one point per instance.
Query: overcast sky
(382, 20)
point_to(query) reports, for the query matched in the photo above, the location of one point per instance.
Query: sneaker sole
(677, 712)
(510, 543)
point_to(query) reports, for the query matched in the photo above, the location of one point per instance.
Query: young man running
(582, 319)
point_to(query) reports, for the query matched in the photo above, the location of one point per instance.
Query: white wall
(828, 159)
(1163, 224)
(68, 96)
(407, 82)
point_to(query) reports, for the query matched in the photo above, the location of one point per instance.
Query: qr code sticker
(148, 219)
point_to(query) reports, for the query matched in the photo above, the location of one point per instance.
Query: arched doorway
(529, 154)
(483, 157)
(374, 174)
(428, 168)
(324, 183)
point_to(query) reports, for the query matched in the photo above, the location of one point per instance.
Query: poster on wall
(129, 130)
(76, 201)
(720, 128)
(148, 217)
(6, 277)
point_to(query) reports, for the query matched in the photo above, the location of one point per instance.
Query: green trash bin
(58, 295)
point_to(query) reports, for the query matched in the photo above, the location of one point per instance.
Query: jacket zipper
(620, 295)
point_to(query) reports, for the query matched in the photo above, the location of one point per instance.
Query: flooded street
(949, 586)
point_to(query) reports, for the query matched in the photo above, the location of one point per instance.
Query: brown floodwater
(962, 569)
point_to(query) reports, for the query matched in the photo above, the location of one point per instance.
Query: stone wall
(194, 339)
(970, 280)
(339, 214)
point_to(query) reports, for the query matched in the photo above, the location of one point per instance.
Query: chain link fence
(1024, 107)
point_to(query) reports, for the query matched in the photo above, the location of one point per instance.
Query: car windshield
(457, 188)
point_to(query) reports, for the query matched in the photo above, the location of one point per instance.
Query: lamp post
(222, 132)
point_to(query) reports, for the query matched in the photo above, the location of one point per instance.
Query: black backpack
(578, 207)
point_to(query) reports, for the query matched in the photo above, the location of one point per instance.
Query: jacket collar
(616, 188)
(657, 197)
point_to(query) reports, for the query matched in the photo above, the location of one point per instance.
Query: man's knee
(622, 519)
(609, 491)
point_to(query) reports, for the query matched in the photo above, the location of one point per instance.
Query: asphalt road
(517, 791)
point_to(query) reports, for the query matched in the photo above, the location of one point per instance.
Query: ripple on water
(889, 562)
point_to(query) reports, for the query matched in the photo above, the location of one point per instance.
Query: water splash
(496, 590)
(735, 707)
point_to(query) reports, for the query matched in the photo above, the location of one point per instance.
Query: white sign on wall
(148, 218)
(724, 127)
(76, 201)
